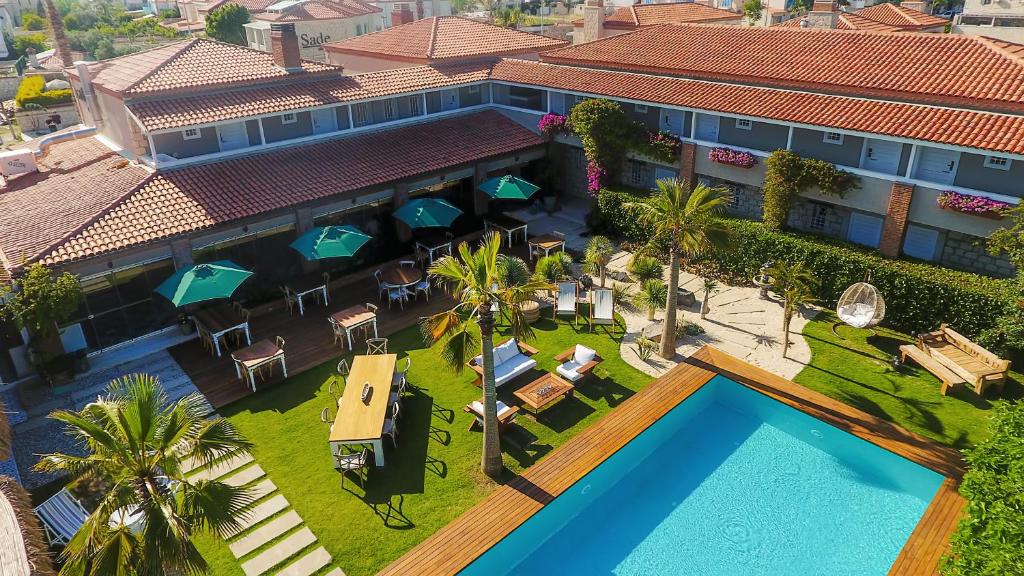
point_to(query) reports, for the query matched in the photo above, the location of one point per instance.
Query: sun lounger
(62, 516)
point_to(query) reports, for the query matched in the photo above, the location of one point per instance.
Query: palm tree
(710, 287)
(59, 38)
(138, 441)
(473, 278)
(597, 255)
(682, 218)
(651, 297)
(643, 268)
(796, 284)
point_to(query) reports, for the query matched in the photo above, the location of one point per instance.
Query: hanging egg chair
(861, 306)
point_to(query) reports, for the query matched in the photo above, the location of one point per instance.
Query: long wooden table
(361, 422)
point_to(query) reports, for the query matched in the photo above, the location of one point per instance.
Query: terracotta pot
(531, 311)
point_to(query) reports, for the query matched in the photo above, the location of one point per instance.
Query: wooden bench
(976, 365)
(944, 374)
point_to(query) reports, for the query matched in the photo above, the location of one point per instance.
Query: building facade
(1002, 19)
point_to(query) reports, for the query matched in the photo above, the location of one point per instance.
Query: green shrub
(644, 268)
(32, 90)
(990, 540)
(23, 42)
(32, 22)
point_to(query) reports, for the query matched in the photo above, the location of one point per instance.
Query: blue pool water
(729, 483)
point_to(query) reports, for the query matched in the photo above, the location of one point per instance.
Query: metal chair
(397, 294)
(391, 425)
(377, 346)
(325, 417)
(338, 330)
(353, 462)
(343, 368)
(407, 263)
(290, 299)
(382, 286)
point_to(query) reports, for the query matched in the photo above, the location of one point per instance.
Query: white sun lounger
(567, 300)
(62, 516)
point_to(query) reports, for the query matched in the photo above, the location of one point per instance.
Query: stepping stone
(222, 467)
(261, 512)
(278, 553)
(245, 476)
(308, 564)
(265, 533)
(336, 572)
(262, 489)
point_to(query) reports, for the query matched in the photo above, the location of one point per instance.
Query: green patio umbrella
(508, 187)
(330, 242)
(201, 282)
(427, 213)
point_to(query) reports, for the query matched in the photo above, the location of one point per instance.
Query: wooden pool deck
(456, 545)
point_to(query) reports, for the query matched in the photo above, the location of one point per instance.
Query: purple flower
(551, 124)
(732, 157)
(595, 177)
(968, 204)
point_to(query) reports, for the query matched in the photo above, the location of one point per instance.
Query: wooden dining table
(507, 225)
(255, 356)
(547, 243)
(402, 276)
(218, 320)
(354, 317)
(362, 422)
(307, 285)
(431, 242)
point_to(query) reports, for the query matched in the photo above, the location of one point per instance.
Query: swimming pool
(728, 482)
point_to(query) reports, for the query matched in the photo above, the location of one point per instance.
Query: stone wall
(746, 200)
(968, 253)
(804, 216)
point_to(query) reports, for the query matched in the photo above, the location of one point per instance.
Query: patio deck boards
(459, 543)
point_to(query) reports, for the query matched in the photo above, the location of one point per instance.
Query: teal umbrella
(427, 213)
(201, 282)
(330, 242)
(508, 187)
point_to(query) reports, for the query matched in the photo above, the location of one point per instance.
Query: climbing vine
(606, 134)
(789, 174)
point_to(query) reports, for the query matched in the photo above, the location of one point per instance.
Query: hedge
(918, 296)
(32, 90)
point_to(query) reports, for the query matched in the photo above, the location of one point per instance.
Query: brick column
(896, 219)
(688, 163)
(481, 201)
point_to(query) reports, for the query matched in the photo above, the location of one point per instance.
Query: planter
(732, 157)
(531, 311)
(973, 205)
(987, 215)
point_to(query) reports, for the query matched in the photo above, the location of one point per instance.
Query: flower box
(551, 124)
(973, 205)
(732, 157)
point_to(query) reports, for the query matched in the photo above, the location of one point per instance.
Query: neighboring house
(907, 16)
(317, 22)
(416, 10)
(435, 41)
(596, 25)
(838, 21)
(877, 18)
(1002, 19)
(207, 150)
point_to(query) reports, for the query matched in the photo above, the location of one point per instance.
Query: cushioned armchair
(576, 362)
(511, 359)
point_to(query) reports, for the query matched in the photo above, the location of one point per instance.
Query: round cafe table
(402, 276)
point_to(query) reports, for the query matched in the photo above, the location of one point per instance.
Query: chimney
(915, 5)
(284, 47)
(87, 94)
(593, 22)
(822, 15)
(401, 15)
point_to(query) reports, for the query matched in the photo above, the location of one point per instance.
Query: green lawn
(857, 369)
(434, 475)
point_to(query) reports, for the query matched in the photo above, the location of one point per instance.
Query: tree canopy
(227, 24)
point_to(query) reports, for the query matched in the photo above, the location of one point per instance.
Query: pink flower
(551, 124)
(732, 157)
(969, 204)
(595, 177)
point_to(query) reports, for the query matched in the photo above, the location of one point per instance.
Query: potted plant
(738, 158)
(185, 323)
(973, 205)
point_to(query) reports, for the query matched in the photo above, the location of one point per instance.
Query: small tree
(752, 9)
(227, 24)
(32, 22)
(710, 287)
(796, 284)
(597, 256)
(553, 268)
(41, 302)
(644, 268)
(651, 297)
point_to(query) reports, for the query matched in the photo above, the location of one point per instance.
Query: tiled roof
(199, 197)
(253, 6)
(641, 15)
(948, 69)
(50, 60)
(191, 64)
(903, 17)
(849, 21)
(77, 181)
(988, 131)
(320, 10)
(276, 98)
(444, 37)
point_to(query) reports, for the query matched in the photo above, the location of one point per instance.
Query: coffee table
(532, 396)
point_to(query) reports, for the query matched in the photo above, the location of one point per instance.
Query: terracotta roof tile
(988, 131)
(276, 98)
(642, 15)
(442, 38)
(320, 10)
(191, 64)
(948, 69)
(901, 16)
(253, 6)
(849, 21)
(76, 182)
(199, 197)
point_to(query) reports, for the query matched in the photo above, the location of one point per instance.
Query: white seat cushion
(583, 354)
(505, 352)
(568, 371)
(515, 366)
(478, 407)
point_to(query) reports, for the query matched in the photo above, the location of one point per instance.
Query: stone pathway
(272, 539)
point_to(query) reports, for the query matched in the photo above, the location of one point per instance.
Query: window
(636, 173)
(997, 162)
(360, 114)
(833, 138)
(474, 89)
(191, 134)
(640, 108)
(819, 217)
(289, 118)
(389, 110)
(416, 104)
(743, 124)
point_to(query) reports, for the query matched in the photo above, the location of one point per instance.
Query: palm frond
(216, 438)
(215, 505)
(461, 344)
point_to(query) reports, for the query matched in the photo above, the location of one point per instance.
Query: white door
(881, 156)
(920, 242)
(707, 127)
(451, 99)
(865, 229)
(936, 165)
(672, 122)
(232, 136)
(324, 120)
